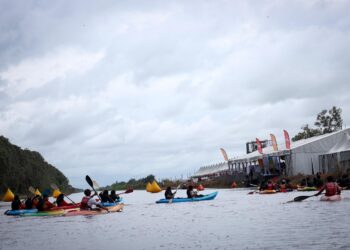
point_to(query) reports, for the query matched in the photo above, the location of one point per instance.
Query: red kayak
(71, 206)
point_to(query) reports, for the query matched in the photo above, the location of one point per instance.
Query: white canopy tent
(303, 156)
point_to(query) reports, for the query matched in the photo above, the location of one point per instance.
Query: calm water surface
(234, 220)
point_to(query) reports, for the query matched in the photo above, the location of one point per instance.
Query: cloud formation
(125, 89)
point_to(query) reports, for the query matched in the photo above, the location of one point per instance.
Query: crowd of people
(42, 203)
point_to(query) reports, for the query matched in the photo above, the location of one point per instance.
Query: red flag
(223, 152)
(259, 146)
(274, 142)
(286, 137)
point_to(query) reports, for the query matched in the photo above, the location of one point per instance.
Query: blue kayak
(21, 212)
(110, 204)
(203, 198)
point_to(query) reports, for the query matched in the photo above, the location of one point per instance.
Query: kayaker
(283, 186)
(88, 202)
(191, 193)
(168, 194)
(61, 202)
(105, 197)
(270, 185)
(331, 187)
(114, 196)
(44, 203)
(35, 201)
(17, 204)
(28, 203)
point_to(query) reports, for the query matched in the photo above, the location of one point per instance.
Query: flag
(258, 143)
(286, 137)
(223, 152)
(274, 142)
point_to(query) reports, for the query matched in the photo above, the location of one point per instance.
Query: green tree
(306, 133)
(327, 121)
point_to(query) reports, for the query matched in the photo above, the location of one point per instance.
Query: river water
(234, 220)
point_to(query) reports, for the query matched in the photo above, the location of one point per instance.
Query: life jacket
(84, 203)
(331, 189)
(283, 187)
(269, 186)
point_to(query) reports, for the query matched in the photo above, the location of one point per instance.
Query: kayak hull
(177, 200)
(111, 204)
(34, 212)
(77, 205)
(331, 198)
(117, 208)
(21, 212)
(306, 189)
(268, 192)
(47, 213)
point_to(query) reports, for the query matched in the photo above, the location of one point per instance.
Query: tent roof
(344, 144)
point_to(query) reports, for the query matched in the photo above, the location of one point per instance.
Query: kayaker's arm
(320, 192)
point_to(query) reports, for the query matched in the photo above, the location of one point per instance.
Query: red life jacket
(331, 189)
(283, 187)
(270, 186)
(84, 203)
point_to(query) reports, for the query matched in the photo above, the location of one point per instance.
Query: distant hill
(20, 169)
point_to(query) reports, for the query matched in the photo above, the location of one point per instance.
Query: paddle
(54, 186)
(91, 184)
(31, 189)
(96, 185)
(171, 200)
(129, 190)
(301, 198)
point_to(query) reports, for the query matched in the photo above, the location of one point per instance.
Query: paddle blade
(301, 198)
(89, 181)
(130, 190)
(96, 185)
(31, 189)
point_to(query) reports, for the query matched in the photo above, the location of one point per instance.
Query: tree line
(21, 168)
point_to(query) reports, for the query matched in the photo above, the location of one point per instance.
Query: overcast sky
(121, 89)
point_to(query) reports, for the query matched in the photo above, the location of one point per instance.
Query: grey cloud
(178, 80)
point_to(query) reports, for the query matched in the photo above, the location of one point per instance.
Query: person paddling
(191, 193)
(35, 201)
(168, 194)
(28, 203)
(114, 196)
(44, 203)
(61, 202)
(331, 188)
(17, 204)
(105, 197)
(88, 202)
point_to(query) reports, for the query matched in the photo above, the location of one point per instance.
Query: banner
(274, 142)
(286, 137)
(223, 152)
(258, 143)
